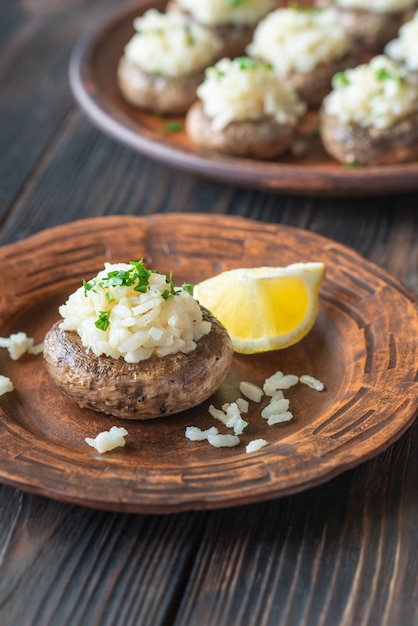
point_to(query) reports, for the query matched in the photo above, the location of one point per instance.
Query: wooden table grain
(344, 553)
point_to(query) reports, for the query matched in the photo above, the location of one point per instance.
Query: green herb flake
(234, 4)
(351, 165)
(188, 287)
(138, 278)
(245, 63)
(173, 127)
(218, 74)
(189, 37)
(382, 74)
(171, 291)
(103, 321)
(88, 286)
(340, 79)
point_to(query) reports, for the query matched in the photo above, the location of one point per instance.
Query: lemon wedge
(264, 308)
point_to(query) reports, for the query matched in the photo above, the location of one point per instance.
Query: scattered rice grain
(279, 381)
(19, 343)
(275, 407)
(6, 385)
(108, 439)
(242, 404)
(218, 414)
(312, 382)
(279, 417)
(230, 416)
(223, 441)
(251, 391)
(196, 434)
(255, 445)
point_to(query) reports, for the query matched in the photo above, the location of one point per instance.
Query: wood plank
(35, 94)
(70, 565)
(340, 554)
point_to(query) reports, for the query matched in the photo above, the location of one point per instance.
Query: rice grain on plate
(6, 385)
(311, 382)
(108, 439)
(255, 444)
(275, 406)
(197, 434)
(279, 418)
(18, 344)
(223, 441)
(251, 391)
(278, 382)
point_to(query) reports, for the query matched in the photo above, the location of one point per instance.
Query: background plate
(363, 346)
(93, 82)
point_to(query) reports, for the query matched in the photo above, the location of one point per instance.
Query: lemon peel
(264, 308)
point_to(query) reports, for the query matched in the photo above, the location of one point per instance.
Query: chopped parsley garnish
(171, 291)
(245, 63)
(173, 127)
(218, 73)
(150, 31)
(340, 79)
(235, 3)
(103, 321)
(138, 278)
(188, 287)
(382, 73)
(189, 37)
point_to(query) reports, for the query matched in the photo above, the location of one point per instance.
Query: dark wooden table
(344, 553)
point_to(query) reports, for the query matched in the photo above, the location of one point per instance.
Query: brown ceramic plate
(93, 82)
(363, 346)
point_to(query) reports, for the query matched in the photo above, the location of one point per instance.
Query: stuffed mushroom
(164, 62)
(232, 22)
(371, 116)
(134, 346)
(404, 48)
(306, 48)
(371, 24)
(244, 109)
